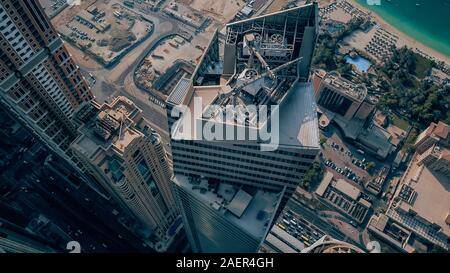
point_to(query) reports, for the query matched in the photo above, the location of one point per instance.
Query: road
(119, 79)
(315, 219)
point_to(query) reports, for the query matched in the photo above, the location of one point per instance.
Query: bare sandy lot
(105, 28)
(220, 10)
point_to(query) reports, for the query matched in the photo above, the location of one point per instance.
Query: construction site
(221, 11)
(174, 58)
(105, 30)
(53, 7)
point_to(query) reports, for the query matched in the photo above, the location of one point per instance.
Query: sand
(404, 39)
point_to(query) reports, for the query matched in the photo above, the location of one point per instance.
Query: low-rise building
(344, 196)
(280, 241)
(342, 96)
(375, 185)
(436, 133)
(437, 159)
(330, 245)
(418, 214)
(350, 107)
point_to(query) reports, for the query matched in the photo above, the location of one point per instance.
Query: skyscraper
(117, 153)
(126, 157)
(17, 239)
(266, 62)
(40, 85)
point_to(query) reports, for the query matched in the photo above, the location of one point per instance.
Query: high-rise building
(40, 85)
(15, 239)
(126, 157)
(266, 63)
(222, 217)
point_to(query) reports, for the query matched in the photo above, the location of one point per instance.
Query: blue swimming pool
(361, 64)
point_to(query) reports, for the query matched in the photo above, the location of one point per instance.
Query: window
(153, 187)
(143, 168)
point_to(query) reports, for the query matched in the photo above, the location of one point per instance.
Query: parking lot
(346, 161)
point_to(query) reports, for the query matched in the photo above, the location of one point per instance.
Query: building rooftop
(110, 128)
(259, 67)
(347, 188)
(424, 193)
(109, 125)
(350, 89)
(329, 245)
(239, 203)
(328, 177)
(344, 195)
(440, 130)
(250, 211)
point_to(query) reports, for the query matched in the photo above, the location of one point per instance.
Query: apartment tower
(126, 157)
(40, 85)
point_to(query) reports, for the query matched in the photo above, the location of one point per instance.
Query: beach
(404, 39)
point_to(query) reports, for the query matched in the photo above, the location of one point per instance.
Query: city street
(321, 222)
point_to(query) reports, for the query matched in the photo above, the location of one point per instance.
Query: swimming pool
(361, 64)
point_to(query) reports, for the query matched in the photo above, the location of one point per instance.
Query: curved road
(119, 79)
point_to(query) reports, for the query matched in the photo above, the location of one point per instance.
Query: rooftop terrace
(251, 211)
(265, 62)
(422, 203)
(355, 91)
(109, 129)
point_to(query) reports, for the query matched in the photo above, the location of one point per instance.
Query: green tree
(312, 177)
(370, 166)
(323, 140)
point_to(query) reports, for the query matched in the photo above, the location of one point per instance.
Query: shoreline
(404, 38)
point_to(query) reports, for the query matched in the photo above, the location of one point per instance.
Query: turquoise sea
(427, 21)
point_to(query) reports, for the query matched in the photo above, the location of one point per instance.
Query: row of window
(273, 160)
(225, 173)
(260, 154)
(237, 163)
